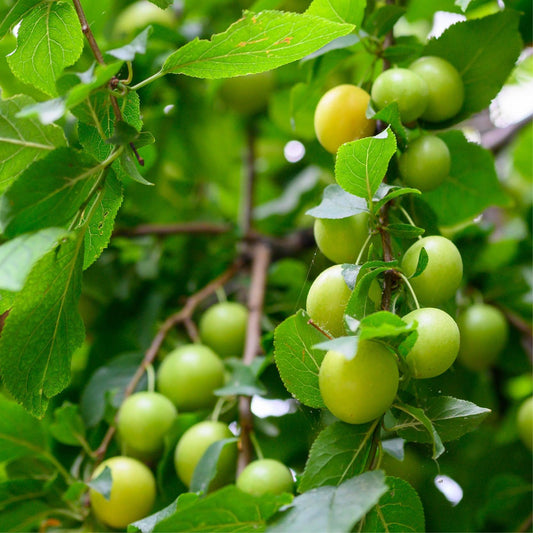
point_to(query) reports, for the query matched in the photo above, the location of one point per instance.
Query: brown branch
(249, 180)
(182, 316)
(209, 228)
(261, 255)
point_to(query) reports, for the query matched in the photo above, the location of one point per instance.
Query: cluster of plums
(186, 381)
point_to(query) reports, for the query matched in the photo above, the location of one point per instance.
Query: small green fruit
(265, 476)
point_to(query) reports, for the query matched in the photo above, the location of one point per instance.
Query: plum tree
(327, 299)
(189, 375)
(446, 89)
(437, 343)
(340, 117)
(426, 163)
(133, 492)
(484, 332)
(265, 476)
(406, 88)
(443, 273)
(143, 421)
(223, 328)
(341, 239)
(360, 389)
(195, 442)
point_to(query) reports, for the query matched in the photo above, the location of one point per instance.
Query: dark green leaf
(24, 517)
(339, 10)
(49, 39)
(15, 491)
(472, 185)
(422, 263)
(129, 167)
(361, 165)
(405, 231)
(340, 452)
(404, 50)
(23, 141)
(253, 44)
(297, 360)
(399, 510)
(390, 114)
(383, 19)
(226, 510)
(68, 426)
(360, 303)
(332, 509)
(19, 255)
(242, 381)
(44, 328)
(123, 133)
(337, 203)
(65, 178)
(103, 483)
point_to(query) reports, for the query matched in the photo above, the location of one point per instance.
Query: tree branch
(249, 180)
(182, 316)
(261, 254)
(497, 138)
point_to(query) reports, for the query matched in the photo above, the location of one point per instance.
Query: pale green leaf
(351, 11)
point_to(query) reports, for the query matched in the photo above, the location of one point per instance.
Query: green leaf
(361, 165)
(19, 255)
(386, 193)
(130, 50)
(332, 509)
(18, 10)
(24, 517)
(103, 483)
(242, 381)
(163, 4)
(206, 469)
(68, 426)
(337, 203)
(415, 425)
(484, 51)
(147, 525)
(102, 210)
(15, 491)
(340, 452)
(49, 39)
(23, 141)
(383, 19)
(129, 167)
(360, 304)
(226, 510)
(384, 324)
(391, 115)
(21, 434)
(44, 328)
(339, 10)
(422, 263)
(253, 44)
(65, 177)
(405, 231)
(472, 185)
(398, 510)
(297, 360)
(346, 345)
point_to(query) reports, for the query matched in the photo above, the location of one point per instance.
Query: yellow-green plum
(223, 328)
(404, 87)
(443, 273)
(340, 117)
(189, 375)
(426, 163)
(363, 388)
(341, 239)
(327, 299)
(143, 421)
(525, 422)
(484, 332)
(195, 442)
(133, 492)
(265, 476)
(445, 85)
(437, 344)
(248, 94)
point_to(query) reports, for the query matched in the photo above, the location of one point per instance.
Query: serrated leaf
(332, 509)
(46, 112)
(347, 346)
(360, 304)
(23, 141)
(422, 263)
(297, 360)
(361, 165)
(65, 179)
(405, 231)
(484, 51)
(68, 426)
(103, 483)
(19, 255)
(384, 324)
(136, 46)
(415, 425)
(49, 39)
(147, 525)
(44, 328)
(129, 167)
(102, 211)
(391, 192)
(340, 452)
(21, 434)
(337, 203)
(339, 10)
(399, 510)
(206, 469)
(472, 185)
(253, 44)
(391, 115)
(18, 10)
(226, 510)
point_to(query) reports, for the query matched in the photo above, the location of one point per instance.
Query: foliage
(134, 194)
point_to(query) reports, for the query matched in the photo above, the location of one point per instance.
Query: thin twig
(182, 316)
(249, 179)
(261, 255)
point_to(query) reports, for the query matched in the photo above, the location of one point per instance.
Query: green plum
(265, 476)
(525, 422)
(248, 94)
